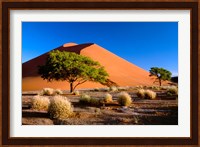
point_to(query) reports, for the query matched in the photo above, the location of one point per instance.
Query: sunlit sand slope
(121, 72)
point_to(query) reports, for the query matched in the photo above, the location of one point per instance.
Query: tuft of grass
(76, 92)
(122, 88)
(95, 102)
(124, 99)
(96, 89)
(169, 93)
(50, 92)
(106, 89)
(40, 103)
(139, 87)
(113, 88)
(47, 91)
(149, 94)
(141, 93)
(85, 99)
(60, 108)
(164, 87)
(108, 98)
(57, 92)
(156, 88)
(173, 90)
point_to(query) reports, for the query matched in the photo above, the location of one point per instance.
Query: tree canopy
(161, 74)
(73, 68)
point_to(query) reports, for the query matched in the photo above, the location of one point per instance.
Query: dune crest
(120, 71)
(69, 44)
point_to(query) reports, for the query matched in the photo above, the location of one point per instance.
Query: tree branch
(79, 83)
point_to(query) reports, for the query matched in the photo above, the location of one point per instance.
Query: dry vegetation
(60, 108)
(124, 99)
(108, 98)
(40, 103)
(139, 105)
(50, 92)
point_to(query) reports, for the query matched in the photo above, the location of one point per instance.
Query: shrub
(40, 103)
(149, 94)
(141, 93)
(164, 87)
(85, 99)
(60, 108)
(106, 89)
(50, 92)
(76, 92)
(57, 92)
(169, 93)
(47, 91)
(122, 88)
(96, 89)
(113, 88)
(124, 99)
(173, 90)
(155, 87)
(95, 102)
(139, 87)
(108, 98)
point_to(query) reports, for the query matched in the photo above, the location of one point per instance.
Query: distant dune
(121, 72)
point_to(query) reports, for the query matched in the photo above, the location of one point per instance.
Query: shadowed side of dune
(30, 68)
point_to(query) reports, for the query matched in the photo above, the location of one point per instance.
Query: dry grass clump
(106, 89)
(85, 99)
(149, 94)
(169, 93)
(108, 98)
(57, 92)
(40, 103)
(141, 93)
(50, 92)
(47, 91)
(76, 92)
(156, 87)
(164, 87)
(139, 87)
(95, 102)
(113, 88)
(123, 88)
(96, 89)
(172, 90)
(60, 108)
(124, 99)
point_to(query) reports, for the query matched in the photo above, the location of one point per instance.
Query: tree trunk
(71, 87)
(160, 82)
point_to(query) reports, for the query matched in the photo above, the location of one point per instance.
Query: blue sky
(146, 44)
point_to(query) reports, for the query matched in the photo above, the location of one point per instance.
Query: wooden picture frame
(7, 6)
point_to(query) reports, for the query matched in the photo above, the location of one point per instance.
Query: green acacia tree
(73, 68)
(161, 74)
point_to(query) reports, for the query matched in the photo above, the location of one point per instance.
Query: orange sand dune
(120, 71)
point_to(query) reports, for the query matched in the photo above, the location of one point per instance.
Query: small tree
(161, 74)
(73, 68)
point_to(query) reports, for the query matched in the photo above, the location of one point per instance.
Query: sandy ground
(162, 111)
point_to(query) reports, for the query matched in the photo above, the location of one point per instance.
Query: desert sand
(120, 71)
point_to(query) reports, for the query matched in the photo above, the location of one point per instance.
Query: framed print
(100, 73)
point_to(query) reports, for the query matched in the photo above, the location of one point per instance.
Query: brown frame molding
(7, 6)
